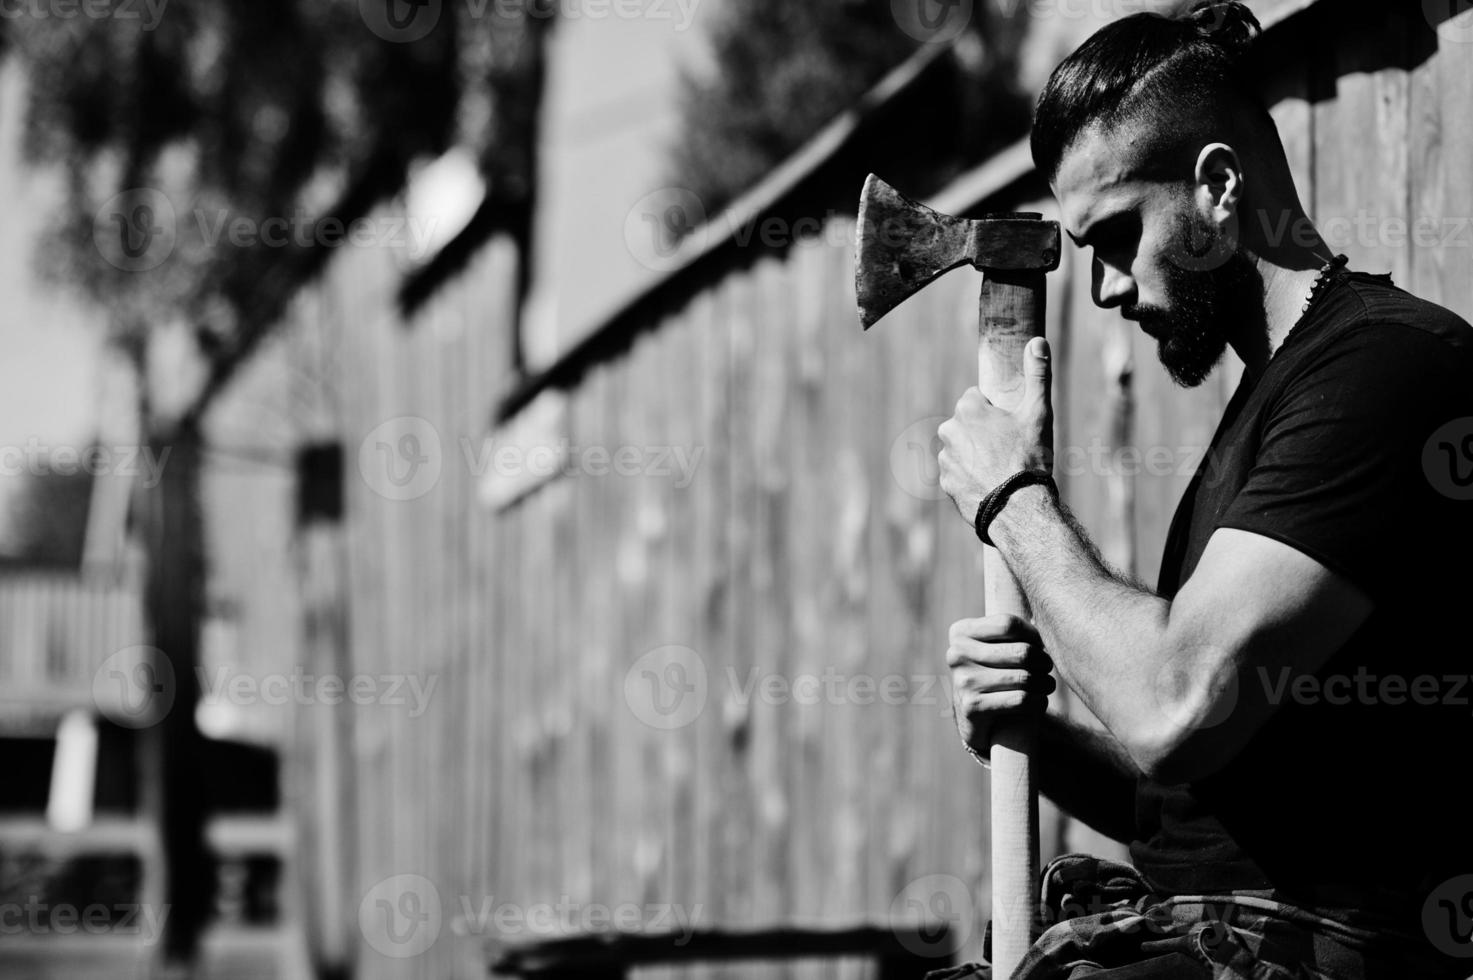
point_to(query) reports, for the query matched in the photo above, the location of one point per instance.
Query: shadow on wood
(900, 953)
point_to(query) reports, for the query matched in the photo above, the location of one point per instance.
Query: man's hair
(1176, 82)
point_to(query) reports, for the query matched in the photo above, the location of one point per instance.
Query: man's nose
(1111, 286)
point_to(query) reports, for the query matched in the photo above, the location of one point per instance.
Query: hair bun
(1228, 24)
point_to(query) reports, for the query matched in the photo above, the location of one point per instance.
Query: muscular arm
(1088, 775)
(1159, 673)
(1333, 502)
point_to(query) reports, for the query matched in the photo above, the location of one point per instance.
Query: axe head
(903, 245)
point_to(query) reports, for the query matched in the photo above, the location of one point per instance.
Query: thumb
(1037, 372)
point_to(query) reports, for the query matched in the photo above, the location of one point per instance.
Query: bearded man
(1284, 747)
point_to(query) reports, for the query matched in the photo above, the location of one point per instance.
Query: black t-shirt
(1350, 796)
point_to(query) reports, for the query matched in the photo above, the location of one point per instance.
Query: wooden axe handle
(1011, 312)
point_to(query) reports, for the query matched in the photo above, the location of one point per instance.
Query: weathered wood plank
(1360, 191)
(1441, 184)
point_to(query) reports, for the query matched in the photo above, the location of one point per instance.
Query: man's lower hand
(999, 671)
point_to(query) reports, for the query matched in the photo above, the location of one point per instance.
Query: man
(1287, 730)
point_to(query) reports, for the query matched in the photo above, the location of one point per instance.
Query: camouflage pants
(1104, 923)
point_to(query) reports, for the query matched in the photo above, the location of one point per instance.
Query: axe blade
(901, 246)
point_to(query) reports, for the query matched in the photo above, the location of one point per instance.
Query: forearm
(1107, 636)
(1087, 774)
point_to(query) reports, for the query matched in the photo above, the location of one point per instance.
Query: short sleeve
(1338, 474)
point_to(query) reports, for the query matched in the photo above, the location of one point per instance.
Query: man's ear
(1219, 180)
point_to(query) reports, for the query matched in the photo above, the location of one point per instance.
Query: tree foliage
(308, 112)
(782, 70)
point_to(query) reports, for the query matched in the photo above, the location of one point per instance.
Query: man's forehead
(1096, 177)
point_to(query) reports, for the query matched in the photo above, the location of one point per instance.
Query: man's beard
(1204, 310)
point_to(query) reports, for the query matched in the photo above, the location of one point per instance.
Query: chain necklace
(1323, 279)
(1326, 275)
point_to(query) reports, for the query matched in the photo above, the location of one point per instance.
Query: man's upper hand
(982, 444)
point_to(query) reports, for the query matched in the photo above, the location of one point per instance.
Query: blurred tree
(172, 122)
(782, 70)
(305, 110)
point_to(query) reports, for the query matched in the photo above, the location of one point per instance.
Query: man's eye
(1116, 233)
(1115, 239)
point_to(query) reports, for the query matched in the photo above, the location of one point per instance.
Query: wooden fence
(714, 689)
(57, 629)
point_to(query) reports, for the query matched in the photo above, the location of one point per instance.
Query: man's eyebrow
(1103, 222)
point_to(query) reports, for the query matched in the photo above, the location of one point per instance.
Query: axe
(902, 246)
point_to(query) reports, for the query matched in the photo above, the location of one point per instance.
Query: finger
(982, 681)
(1037, 373)
(946, 430)
(971, 402)
(968, 652)
(996, 628)
(988, 707)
